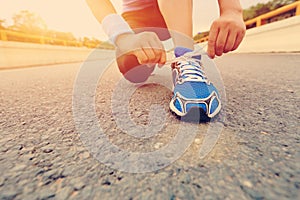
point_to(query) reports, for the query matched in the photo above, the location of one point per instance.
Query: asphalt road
(257, 155)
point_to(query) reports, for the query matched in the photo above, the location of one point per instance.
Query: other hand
(226, 34)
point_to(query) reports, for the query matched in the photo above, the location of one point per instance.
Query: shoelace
(189, 69)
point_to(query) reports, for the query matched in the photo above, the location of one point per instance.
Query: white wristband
(114, 25)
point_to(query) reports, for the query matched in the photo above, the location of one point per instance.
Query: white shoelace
(189, 69)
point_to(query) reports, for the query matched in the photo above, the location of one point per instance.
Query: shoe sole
(194, 115)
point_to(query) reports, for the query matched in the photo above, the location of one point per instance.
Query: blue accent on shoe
(214, 105)
(196, 105)
(177, 105)
(180, 51)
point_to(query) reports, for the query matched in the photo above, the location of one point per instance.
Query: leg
(140, 21)
(149, 19)
(132, 70)
(178, 17)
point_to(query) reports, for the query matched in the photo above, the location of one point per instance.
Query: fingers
(230, 41)
(151, 57)
(146, 46)
(153, 51)
(213, 35)
(153, 54)
(221, 41)
(159, 51)
(141, 56)
(163, 59)
(225, 35)
(238, 40)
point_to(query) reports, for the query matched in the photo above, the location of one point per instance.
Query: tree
(262, 8)
(28, 22)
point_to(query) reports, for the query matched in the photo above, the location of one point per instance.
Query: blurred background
(71, 23)
(44, 44)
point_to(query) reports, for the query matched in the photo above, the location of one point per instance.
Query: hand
(146, 46)
(226, 34)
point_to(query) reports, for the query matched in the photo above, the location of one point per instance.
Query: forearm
(230, 6)
(101, 8)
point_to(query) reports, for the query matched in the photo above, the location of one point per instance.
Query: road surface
(256, 157)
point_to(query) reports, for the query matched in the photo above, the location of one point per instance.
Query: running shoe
(195, 97)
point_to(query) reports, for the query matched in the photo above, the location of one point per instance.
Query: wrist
(231, 6)
(114, 25)
(232, 12)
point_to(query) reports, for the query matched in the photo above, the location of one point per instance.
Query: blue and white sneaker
(193, 92)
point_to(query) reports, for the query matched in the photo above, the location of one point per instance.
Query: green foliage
(28, 22)
(262, 8)
(201, 35)
(2, 21)
(92, 42)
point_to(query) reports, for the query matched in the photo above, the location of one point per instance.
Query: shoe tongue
(180, 51)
